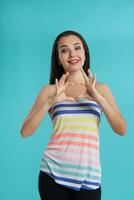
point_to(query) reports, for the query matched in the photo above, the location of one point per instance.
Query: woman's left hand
(107, 102)
(90, 85)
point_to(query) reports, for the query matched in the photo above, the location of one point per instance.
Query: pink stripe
(74, 155)
(75, 135)
(71, 160)
(75, 151)
(82, 144)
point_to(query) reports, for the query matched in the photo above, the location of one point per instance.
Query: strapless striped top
(72, 156)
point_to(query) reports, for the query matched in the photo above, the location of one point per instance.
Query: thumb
(70, 99)
(81, 96)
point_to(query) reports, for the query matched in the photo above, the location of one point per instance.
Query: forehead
(69, 40)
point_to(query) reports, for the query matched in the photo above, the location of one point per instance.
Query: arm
(38, 111)
(111, 110)
(102, 94)
(48, 96)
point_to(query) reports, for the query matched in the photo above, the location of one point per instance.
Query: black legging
(50, 190)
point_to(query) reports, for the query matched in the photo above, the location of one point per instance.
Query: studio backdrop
(27, 32)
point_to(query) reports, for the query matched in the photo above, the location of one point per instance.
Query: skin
(71, 55)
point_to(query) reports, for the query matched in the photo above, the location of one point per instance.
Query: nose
(72, 53)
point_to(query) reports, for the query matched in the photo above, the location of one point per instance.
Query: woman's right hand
(42, 106)
(60, 95)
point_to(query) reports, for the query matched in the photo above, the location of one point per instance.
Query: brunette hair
(57, 70)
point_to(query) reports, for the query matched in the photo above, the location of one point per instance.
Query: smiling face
(71, 53)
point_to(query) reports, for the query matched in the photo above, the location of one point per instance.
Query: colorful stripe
(72, 155)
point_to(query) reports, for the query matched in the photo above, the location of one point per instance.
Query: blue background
(27, 31)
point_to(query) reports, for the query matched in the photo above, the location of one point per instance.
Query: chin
(74, 68)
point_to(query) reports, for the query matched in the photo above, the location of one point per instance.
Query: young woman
(70, 168)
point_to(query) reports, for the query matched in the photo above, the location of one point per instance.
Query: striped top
(72, 156)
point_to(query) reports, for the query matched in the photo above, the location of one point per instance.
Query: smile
(73, 61)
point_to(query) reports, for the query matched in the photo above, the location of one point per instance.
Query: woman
(70, 167)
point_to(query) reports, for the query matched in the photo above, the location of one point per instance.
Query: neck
(75, 76)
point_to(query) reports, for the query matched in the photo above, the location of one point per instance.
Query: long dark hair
(57, 70)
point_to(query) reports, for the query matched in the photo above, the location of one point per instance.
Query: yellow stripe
(69, 127)
(76, 119)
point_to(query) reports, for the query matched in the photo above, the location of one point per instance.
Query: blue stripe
(92, 183)
(76, 105)
(76, 112)
(88, 188)
(69, 180)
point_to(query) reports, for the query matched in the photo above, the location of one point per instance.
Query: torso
(72, 156)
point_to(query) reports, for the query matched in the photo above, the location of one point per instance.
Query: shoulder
(105, 91)
(102, 87)
(47, 90)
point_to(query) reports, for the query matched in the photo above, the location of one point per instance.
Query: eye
(64, 50)
(77, 48)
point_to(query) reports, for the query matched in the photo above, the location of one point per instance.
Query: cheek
(82, 57)
(63, 58)
(82, 54)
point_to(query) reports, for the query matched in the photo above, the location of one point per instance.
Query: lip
(73, 61)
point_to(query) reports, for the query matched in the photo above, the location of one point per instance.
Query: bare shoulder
(47, 90)
(106, 92)
(102, 88)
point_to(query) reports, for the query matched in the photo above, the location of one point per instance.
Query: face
(71, 53)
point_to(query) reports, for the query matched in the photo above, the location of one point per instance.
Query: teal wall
(27, 31)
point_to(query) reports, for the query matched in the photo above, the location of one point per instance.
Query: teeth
(74, 61)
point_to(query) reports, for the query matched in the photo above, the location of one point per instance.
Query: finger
(91, 77)
(80, 96)
(84, 75)
(67, 74)
(65, 77)
(69, 83)
(62, 79)
(87, 96)
(94, 80)
(80, 82)
(70, 99)
(90, 74)
(56, 83)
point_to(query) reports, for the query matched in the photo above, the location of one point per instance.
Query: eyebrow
(67, 45)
